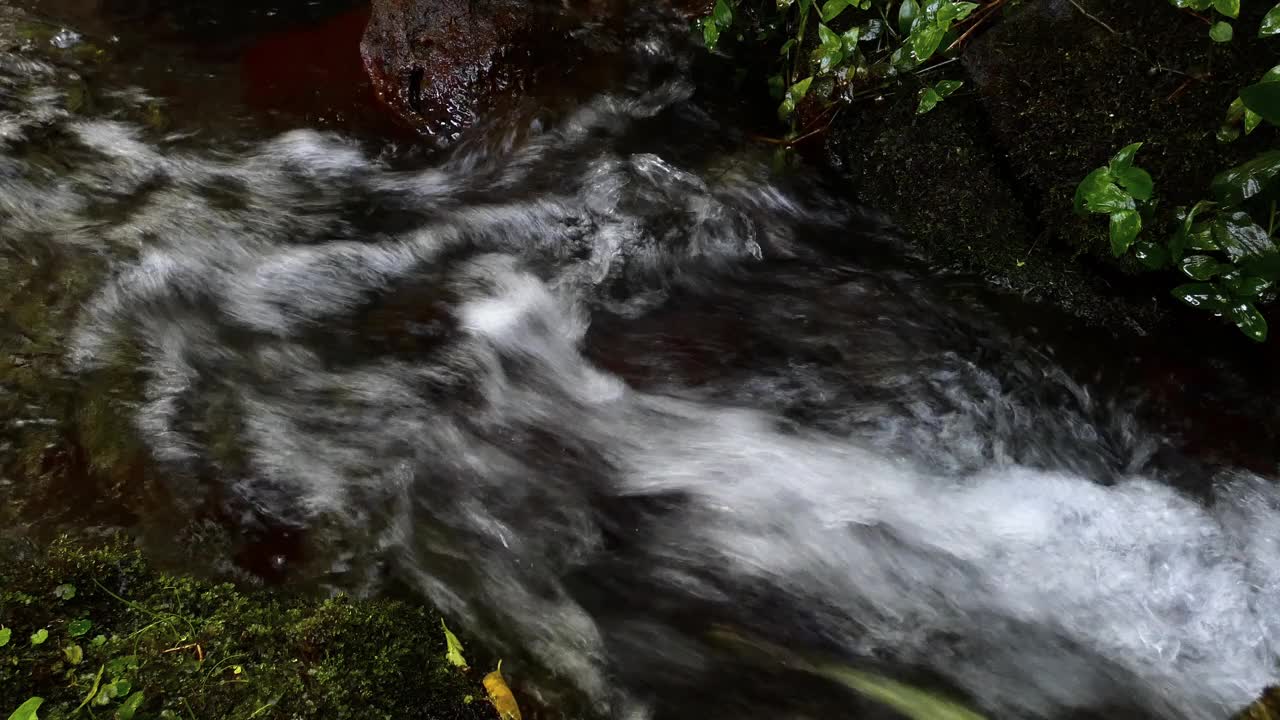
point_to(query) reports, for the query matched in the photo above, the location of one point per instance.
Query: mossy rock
(196, 649)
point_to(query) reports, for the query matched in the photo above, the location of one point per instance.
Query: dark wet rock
(444, 64)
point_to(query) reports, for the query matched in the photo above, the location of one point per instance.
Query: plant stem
(1091, 17)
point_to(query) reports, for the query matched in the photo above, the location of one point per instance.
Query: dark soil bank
(985, 182)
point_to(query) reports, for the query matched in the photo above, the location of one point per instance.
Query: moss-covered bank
(113, 627)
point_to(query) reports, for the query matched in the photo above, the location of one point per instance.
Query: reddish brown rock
(442, 64)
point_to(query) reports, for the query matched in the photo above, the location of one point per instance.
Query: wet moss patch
(99, 624)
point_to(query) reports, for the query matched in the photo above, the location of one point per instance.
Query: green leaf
(1109, 199)
(946, 87)
(38, 637)
(27, 710)
(829, 58)
(850, 39)
(1206, 296)
(1247, 287)
(1264, 99)
(129, 707)
(925, 39)
(453, 648)
(800, 89)
(1249, 320)
(1251, 121)
(831, 9)
(1242, 182)
(794, 95)
(722, 14)
(1201, 267)
(1270, 23)
(1090, 187)
(786, 47)
(1137, 181)
(962, 10)
(1221, 32)
(710, 34)
(1124, 158)
(907, 14)
(98, 641)
(93, 689)
(1192, 4)
(929, 99)
(1230, 8)
(76, 628)
(1151, 255)
(121, 665)
(74, 653)
(1125, 225)
(1240, 237)
(826, 35)
(831, 52)
(5, 635)
(64, 592)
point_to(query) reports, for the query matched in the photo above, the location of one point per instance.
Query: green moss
(202, 650)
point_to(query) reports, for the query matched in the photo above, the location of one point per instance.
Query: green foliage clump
(104, 635)
(1226, 244)
(840, 50)
(1221, 30)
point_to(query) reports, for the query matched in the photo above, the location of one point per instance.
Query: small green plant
(1221, 30)
(1232, 259)
(77, 628)
(930, 98)
(1121, 191)
(1226, 245)
(861, 48)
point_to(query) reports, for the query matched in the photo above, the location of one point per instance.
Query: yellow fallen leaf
(453, 648)
(500, 695)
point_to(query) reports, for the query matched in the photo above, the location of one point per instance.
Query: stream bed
(598, 384)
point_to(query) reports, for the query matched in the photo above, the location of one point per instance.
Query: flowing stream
(603, 388)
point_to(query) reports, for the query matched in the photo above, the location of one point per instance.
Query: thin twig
(1180, 89)
(1091, 17)
(795, 141)
(977, 21)
(1199, 17)
(935, 66)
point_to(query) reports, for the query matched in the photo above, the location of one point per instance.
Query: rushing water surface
(601, 387)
